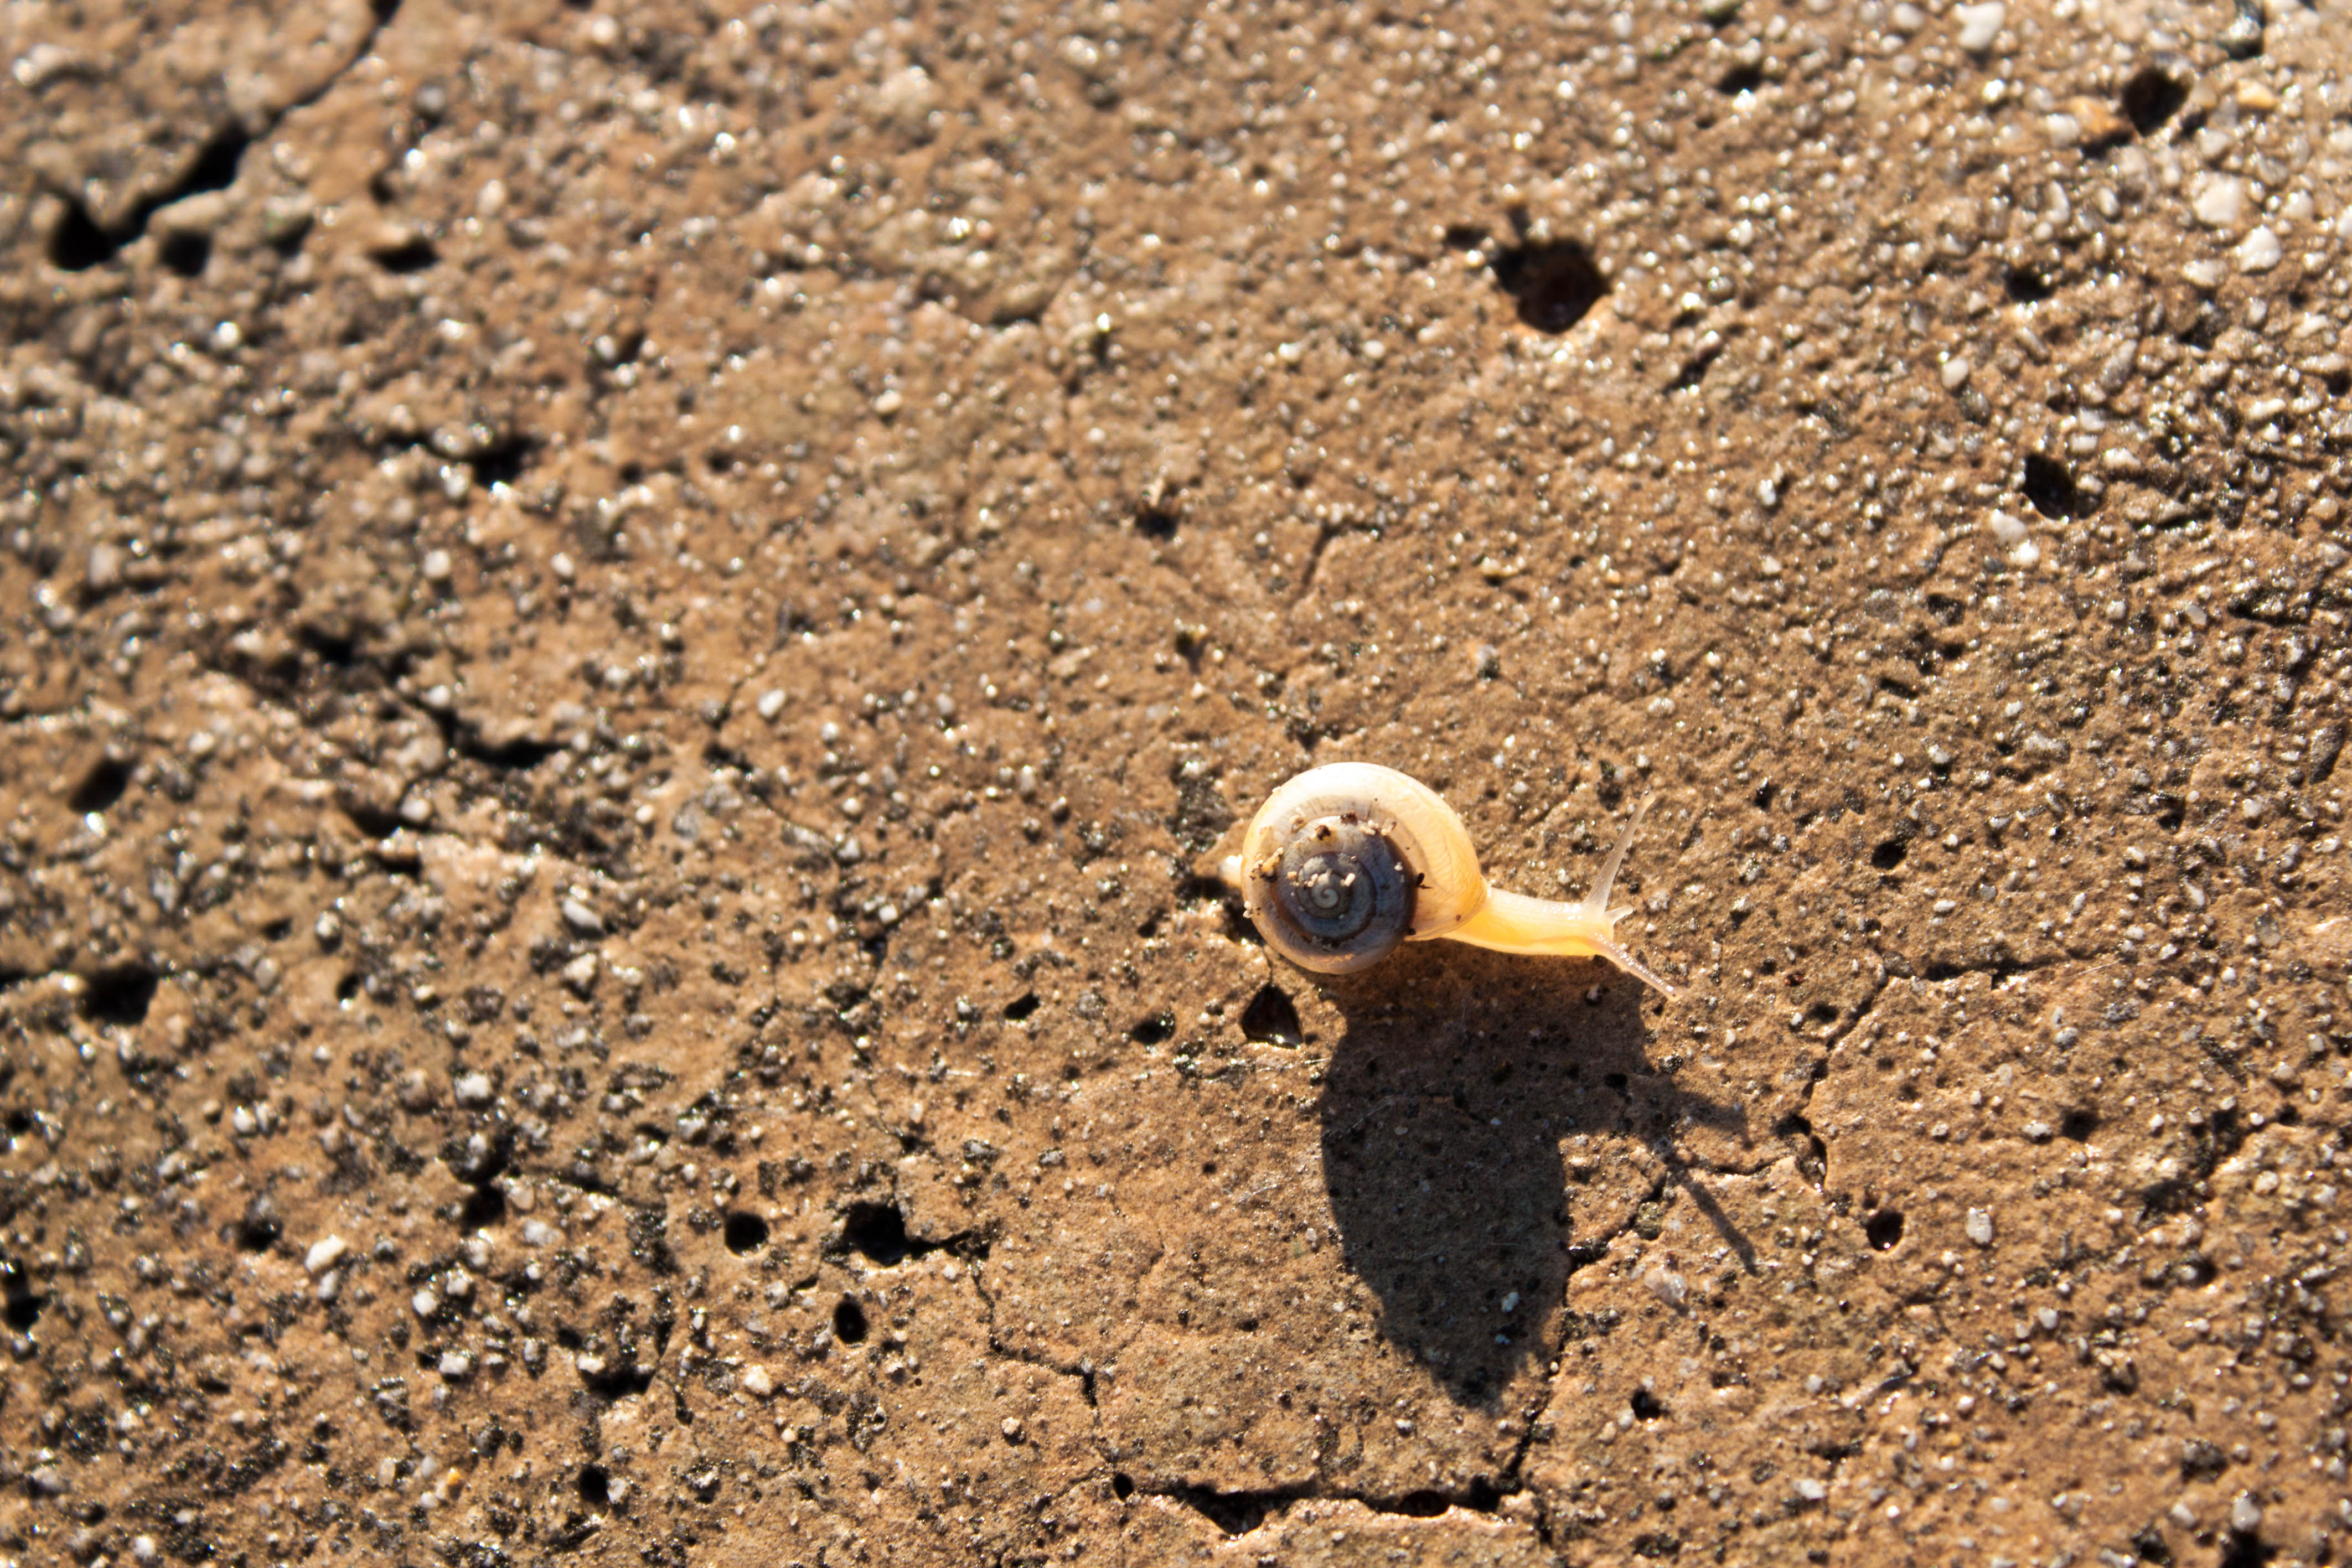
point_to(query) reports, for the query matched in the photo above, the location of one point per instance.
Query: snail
(1345, 861)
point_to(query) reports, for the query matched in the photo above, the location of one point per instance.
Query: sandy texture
(623, 631)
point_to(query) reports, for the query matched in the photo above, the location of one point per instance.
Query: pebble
(324, 1252)
(579, 973)
(2219, 202)
(582, 918)
(473, 1089)
(757, 1381)
(456, 1365)
(1956, 372)
(2245, 1514)
(104, 571)
(424, 1304)
(1981, 25)
(1979, 1227)
(1810, 1490)
(2259, 251)
(1667, 1286)
(771, 704)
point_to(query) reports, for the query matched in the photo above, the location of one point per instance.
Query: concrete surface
(621, 628)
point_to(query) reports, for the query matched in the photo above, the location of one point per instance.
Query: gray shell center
(1344, 887)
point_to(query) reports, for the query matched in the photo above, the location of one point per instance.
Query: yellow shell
(1345, 861)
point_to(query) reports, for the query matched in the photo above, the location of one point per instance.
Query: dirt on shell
(623, 629)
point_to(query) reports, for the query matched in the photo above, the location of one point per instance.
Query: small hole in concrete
(849, 1322)
(878, 1232)
(1271, 1018)
(1557, 284)
(2050, 487)
(2152, 97)
(746, 1232)
(102, 786)
(121, 995)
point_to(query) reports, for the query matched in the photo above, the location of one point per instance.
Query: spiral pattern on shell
(1340, 892)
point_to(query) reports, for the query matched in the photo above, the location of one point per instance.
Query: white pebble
(324, 1252)
(2245, 1514)
(473, 1089)
(2259, 251)
(1956, 372)
(1981, 25)
(2219, 202)
(2006, 528)
(1810, 1490)
(436, 566)
(771, 704)
(757, 1383)
(1979, 1227)
(582, 918)
(457, 1364)
(424, 1304)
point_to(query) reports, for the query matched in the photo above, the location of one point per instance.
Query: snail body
(1346, 861)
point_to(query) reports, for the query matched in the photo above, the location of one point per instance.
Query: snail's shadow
(1445, 1106)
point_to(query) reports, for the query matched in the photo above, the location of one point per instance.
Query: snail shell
(1345, 861)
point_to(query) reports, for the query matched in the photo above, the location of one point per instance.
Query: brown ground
(621, 630)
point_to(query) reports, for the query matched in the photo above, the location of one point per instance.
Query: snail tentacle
(1513, 923)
